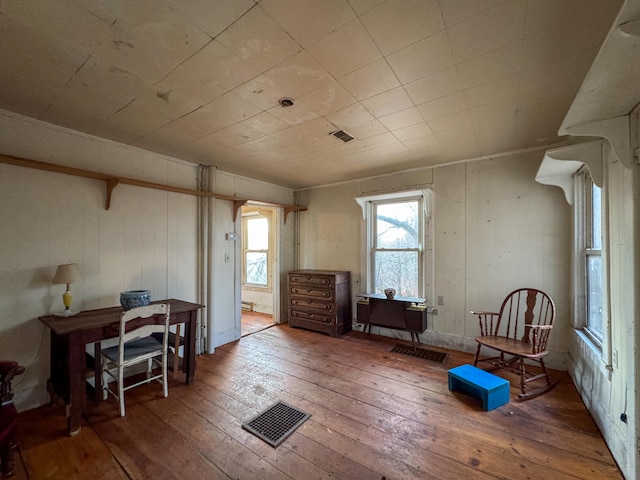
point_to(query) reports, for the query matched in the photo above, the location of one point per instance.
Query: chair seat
(134, 348)
(171, 340)
(509, 346)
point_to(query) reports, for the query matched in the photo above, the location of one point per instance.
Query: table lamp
(68, 273)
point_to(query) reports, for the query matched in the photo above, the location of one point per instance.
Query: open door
(259, 268)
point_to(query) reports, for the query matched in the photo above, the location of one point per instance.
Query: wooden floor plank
(558, 436)
(346, 434)
(398, 419)
(374, 414)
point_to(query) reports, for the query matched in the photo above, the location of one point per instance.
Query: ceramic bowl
(390, 293)
(135, 298)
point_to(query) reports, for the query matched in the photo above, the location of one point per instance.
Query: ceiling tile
(435, 86)
(501, 90)
(132, 122)
(298, 113)
(389, 102)
(227, 137)
(401, 119)
(44, 61)
(216, 115)
(420, 143)
(307, 21)
(371, 80)
(443, 106)
(258, 40)
(77, 28)
(369, 129)
(328, 99)
(27, 97)
(423, 58)
(147, 38)
(494, 28)
(413, 131)
(348, 48)
(292, 78)
(100, 80)
(211, 17)
(456, 11)
(399, 23)
(352, 116)
(362, 6)
(202, 75)
(261, 91)
(500, 63)
(463, 133)
(497, 116)
(450, 122)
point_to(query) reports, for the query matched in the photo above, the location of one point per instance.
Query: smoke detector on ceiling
(342, 135)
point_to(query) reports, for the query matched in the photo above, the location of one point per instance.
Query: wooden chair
(8, 416)
(519, 333)
(137, 345)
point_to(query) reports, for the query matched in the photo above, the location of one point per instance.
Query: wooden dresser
(320, 300)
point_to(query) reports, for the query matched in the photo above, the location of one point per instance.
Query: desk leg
(76, 367)
(190, 347)
(97, 371)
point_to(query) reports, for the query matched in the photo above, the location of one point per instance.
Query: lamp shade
(68, 273)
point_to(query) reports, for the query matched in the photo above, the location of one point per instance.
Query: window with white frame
(591, 274)
(255, 246)
(395, 242)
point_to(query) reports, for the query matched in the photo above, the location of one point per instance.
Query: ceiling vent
(342, 135)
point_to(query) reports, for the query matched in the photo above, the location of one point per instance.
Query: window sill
(255, 288)
(594, 354)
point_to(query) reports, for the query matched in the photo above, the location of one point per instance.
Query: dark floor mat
(276, 423)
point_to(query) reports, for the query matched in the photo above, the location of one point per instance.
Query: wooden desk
(70, 335)
(400, 313)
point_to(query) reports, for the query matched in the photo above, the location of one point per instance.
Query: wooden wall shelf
(111, 182)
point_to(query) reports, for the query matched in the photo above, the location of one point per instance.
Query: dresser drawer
(309, 279)
(306, 291)
(312, 303)
(313, 316)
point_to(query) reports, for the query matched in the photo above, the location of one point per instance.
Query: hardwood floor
(253, 322)
(374, 414)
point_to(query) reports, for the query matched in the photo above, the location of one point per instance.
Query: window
(396, 250)
(591, 262)
(256, 251)
(397, 242)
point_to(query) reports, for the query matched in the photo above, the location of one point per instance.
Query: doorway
(259, 264)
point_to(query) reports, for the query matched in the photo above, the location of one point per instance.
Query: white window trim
(245, 231)
(426, 276)
(579, 271)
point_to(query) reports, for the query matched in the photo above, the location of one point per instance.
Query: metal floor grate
(421, 353)
(276, 423)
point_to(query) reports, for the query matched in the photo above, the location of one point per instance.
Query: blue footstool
(492, 390)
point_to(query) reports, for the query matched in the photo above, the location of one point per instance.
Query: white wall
(495, 229)
(225, 290)
(145, 241)
(608, 385)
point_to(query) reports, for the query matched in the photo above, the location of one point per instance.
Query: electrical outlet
(227, 258)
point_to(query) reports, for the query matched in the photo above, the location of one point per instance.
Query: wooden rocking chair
(519, 332)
